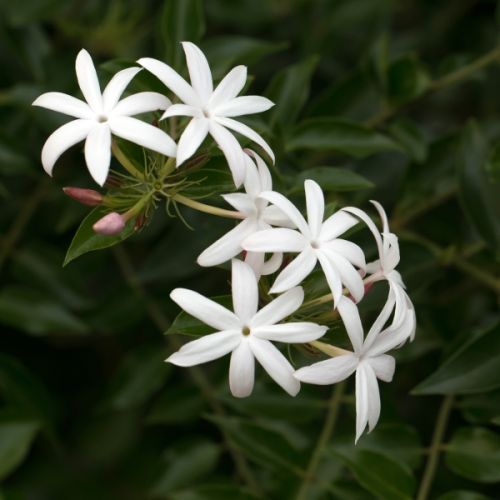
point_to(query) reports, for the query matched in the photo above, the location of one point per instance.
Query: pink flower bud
(111, 224)
(85, 196)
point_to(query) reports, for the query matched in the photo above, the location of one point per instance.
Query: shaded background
(404, 94)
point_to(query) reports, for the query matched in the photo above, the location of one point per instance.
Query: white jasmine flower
(384, 268)
(100, 116)
(369, 360)
(258, 215)
(211, 110)
(315, 240)
(246, 333)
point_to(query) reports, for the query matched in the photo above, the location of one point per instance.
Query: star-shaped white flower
(258, 215)
(315, 240)
(369, 360)
(211, 110)
(100, 116)
(246, 333)
(384, 268)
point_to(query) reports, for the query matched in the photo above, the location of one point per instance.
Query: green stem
(324, 437)
(125, 162)
(436, 445)
(208, 209)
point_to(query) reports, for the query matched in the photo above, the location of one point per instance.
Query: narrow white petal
(88, 82)
(373, 395)
(62, 139)
(352, 322)
(383, 366)
(329, 371)
(228, 246)
(275, 240)
(206, 348)
(244, 291)
(246, 131)
(381, 320)
(206, 310)
(232, 151)
(98, 152)
(315, 202)
(337, 224)
(362, 401)
(143, 102)
(266, 181)
(229, 87)
(64, 103)
(279, 308)
(332, 276)
(352, 252)
(170, 78)
(256, 261)
(275, 364)
(242, 202)
(370, 224)
(349, 276)
(292, 333)
(199, 71)
(193, 135)
(289, 209)
(242, 370)
(114, 89)
(272, 264)
(182, 110)
(143, 134)
(244, 105)
(295, 272)
(274, 216)
(382, 214)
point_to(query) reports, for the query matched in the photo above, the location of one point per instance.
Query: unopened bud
(111, 224)
(84, 196)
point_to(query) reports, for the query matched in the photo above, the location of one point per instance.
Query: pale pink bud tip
(85, 196)
(110, 224)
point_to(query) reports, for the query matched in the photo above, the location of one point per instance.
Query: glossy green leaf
(411, 138)
(332, 179)
(472, 368)
(474, 453)
(331, 134)
(86, 240)
(407, 79)
(481, 408)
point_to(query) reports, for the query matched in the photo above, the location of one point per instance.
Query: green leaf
(16, 437)
(332, 179)
(411, 138)
(331, 134)
(478, 190)
(86, 240)
(472, 368)
(381, 476)
(289, 90)
(463, 495)
(474, 453)
(180, 21)
(481, 408)
(407, 79)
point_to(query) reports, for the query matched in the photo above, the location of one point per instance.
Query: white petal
(228, 246)
(62, 139)
(193, 135)
(293, 333)
(332, 276)
(244, 291)
(315, 202)
(337, 224)
(279, 308)
(381, 320)
(275, 364)
(242, 370)
(296, 271)
(329, 371)
(289, 209)
(274, 216)
(143, 102)
(143, 134)
(275, 240)
(352, 322)
(382, 214)
(256, 261)
(63, 103)
(246, 131)
(169, 77)
(182, 110)
(88, 82)
(272, 264)
(383, 366)
(244, 105)
(229, 87)
(199, 71)
(252, 180)
(206, 310)
(242, 202)
(349, 276)
(98, 152)
(372, 394)
(370, 224)
(349, 250)
(206, 348)
(232, 151)
(114, 89)
(362, 401)
(266, 181)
